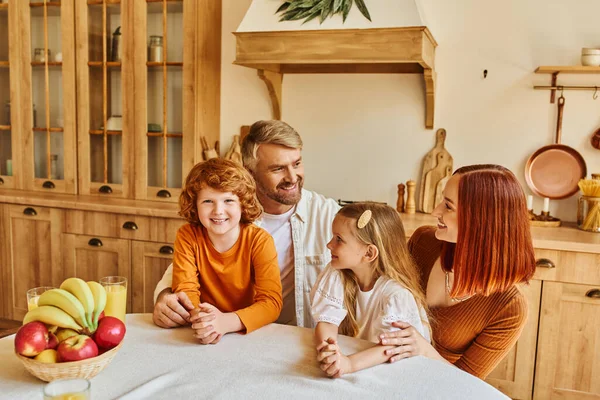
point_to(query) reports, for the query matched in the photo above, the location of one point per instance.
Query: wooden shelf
(160, 64)
(169, 135)
(4, 127)
(41, 4)
(371, 51)
(38, 129)
(101, 132)
(4, 6)
(109, 64)
(4, 64)
(570, 69)
(50, 64)
(99, 2)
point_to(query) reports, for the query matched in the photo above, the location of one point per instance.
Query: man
(299, 221)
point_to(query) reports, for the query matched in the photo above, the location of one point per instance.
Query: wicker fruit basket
(85, 369)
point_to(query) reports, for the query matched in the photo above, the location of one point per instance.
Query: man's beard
(282, 198)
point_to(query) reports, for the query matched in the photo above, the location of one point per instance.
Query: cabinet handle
(166, 250)
(105, 189)
(48, 185)
(163, 193)
(95, 242)
(544, 263)
(30, 211)
(1, 181)
(593, 294)
(130, 225)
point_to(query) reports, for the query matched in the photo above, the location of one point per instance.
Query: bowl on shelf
(590, 57)
(85, 369)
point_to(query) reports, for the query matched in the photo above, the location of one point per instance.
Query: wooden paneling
(568, 361)
(514, 375)
(150, 261)
(84, 258)
(569, 266)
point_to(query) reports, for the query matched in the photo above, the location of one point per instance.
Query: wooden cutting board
(433, 161)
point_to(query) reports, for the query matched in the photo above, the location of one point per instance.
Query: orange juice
(32, 303)
(116, 301)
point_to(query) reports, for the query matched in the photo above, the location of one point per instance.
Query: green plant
(294, 10)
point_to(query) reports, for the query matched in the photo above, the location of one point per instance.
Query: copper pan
(554, 170)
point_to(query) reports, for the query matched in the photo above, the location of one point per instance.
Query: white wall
(364, 134)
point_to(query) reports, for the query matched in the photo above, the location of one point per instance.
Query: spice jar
(155, 49)
(7, 113)
(39, 55)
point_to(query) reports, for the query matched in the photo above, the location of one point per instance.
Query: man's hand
(172, 309)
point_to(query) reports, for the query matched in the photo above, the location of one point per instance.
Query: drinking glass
(67, 389)
(116, 296)
(33, 295)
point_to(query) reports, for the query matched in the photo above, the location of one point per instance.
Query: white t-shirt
(280, 228)
(376, 309)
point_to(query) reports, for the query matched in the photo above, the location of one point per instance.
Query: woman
(470, 265)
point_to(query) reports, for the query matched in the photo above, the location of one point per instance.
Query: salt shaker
(155, 49)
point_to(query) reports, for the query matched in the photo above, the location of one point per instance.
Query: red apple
(31, 339)
(77, 348)
(110, 332)
(52, 341)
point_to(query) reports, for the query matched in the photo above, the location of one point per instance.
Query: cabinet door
(104, 96)
(91, 258)
(47, 78)
(150, 261)
(514, 375)
(9, 97)
(177, 85)
(33, 235)
(568, 357)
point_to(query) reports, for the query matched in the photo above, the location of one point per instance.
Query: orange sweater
(477, 333)
(244, 279)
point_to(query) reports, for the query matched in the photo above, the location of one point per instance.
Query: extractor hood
(396, 41)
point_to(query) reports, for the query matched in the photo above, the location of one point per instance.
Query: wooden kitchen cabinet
(31, 254)
(568, 356)
(514, 375)
(150, 261)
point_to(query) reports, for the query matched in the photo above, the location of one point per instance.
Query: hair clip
(364, 219)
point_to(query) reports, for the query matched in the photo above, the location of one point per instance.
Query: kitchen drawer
(567, 266)
(124, 226)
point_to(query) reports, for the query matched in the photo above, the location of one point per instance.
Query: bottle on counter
(155, 49)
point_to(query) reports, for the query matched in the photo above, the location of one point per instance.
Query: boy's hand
(210, 324)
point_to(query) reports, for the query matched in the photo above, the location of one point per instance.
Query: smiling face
(347, 252)
(279, 175)
(446, 212)
(219, 212)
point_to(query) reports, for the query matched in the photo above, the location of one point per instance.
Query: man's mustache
(285, 185)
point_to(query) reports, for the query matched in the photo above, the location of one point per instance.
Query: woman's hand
(332, 361)
(409, 343)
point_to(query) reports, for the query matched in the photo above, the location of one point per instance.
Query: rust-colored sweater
(244, 279)
(477, 333)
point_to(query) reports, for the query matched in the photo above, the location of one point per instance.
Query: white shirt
(280, 227)
(311, 230)
(376, 309)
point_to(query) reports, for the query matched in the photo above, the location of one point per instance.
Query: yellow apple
(65, 333)
(48, 356)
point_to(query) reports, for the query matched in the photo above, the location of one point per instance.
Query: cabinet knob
(105, 189)
(593, 294)
(48, 185)
(163, 193)
(30, 211)
(166, 250)
(1, 181)
(130, 225)
(95, 242)
(544, 263)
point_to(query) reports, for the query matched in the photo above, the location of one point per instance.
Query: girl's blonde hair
(385, 231)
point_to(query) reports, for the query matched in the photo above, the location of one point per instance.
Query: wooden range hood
(406, 50)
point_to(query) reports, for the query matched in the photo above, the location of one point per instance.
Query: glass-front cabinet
(6, 128)
(47, 112)
(105, 96)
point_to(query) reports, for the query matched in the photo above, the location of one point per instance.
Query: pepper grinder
(400, 201)
(411, 206)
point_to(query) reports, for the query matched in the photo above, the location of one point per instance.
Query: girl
(370, 283)
(470, 265)
(226, 265)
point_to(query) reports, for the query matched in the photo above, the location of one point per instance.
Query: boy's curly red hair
(225, 176)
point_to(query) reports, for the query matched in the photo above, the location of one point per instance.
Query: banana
(67, 302)
(52, 316)
(99, 294)
(78, 288)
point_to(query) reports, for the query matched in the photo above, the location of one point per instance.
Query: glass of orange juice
(33, 295)
(116, 296)
(67, 389)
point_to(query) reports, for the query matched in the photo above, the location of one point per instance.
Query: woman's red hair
(494, 249)
(225, 176)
